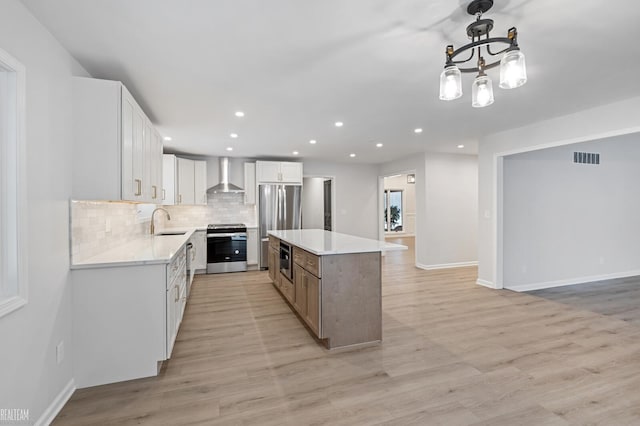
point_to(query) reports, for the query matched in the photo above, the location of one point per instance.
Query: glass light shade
(482, 92)
(513, 71)
(450, 83)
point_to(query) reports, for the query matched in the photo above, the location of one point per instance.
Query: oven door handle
(232, 234)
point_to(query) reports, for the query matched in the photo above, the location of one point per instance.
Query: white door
(200, 182)
(291, 172)
(267, 171)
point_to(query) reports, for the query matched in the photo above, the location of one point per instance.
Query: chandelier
(513, 72)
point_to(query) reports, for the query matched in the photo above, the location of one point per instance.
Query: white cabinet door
(200, 247)
(291, 172)
(186, 193)
(252, 246)
(169, 179)
(278, 172)
(147, 149)
(172, 315)
(155, 167)
(268, 171)
(132, 148)
(200, 182)
(249, 183)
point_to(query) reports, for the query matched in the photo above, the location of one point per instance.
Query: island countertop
(321, 242)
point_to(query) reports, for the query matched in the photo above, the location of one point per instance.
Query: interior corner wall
(356, 195)
(566, 223)
(618, 118)
(30, 377)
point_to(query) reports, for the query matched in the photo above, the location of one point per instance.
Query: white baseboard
(56, 406)
(486, 283)
(446, 265)
(572, 281)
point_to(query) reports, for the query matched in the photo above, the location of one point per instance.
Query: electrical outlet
(60, 352)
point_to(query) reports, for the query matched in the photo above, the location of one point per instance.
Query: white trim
(15, 189)
(56, 405)
(573, 281)
(446, 265)
(487, 284)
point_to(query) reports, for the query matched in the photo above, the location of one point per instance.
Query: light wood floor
(454, 353)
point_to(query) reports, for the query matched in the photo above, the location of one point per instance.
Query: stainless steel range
(226, 248)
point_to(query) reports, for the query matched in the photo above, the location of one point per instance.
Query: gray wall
(29, 375)
(356, 195)
(566, 222)
(313, 203)
(592, 124)
(446, 206)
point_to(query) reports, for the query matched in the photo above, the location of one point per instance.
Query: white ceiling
(295, 67)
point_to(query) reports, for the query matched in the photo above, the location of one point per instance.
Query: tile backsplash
(97, 226)
(220, 208)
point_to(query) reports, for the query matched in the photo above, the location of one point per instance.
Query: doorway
(317, 203)
(399, 205)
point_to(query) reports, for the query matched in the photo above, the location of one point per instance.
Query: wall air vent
(586, 158)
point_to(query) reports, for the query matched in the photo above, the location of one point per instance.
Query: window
(13, 278)
(393, 210)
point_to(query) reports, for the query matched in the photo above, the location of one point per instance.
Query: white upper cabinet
(200, 182)
(169, 179)
(249, 183)
(114, 149)
(278, 172)
(186, 181)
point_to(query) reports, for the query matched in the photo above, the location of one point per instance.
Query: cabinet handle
(164, 194)
(139, 187)
(155, 192)
(180, 199)
(177, 294)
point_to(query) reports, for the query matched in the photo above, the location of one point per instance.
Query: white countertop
(320, 242)
(145, 250)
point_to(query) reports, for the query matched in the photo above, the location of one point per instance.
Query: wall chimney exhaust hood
(224, 186)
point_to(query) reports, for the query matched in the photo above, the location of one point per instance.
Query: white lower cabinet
(126, 319)
(199, 240)
(252, 246)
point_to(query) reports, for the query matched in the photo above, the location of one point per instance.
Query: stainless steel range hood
(224, 185)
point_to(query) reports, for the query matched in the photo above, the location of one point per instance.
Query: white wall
(446, 207)
(408, 201)
(451, 209)
(566, 222)
(356, 195)
(608, 120)
(29, 375)
(313, 203)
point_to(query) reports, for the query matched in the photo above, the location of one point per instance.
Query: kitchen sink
(161, 234)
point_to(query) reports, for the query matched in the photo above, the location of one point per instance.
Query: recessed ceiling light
(352, 155)
(239, 114)
(167, 138)
(295, 153)
(418, 130)
(312, 141)
(339, 124)
(379, 145)
(229, 148)
(234, 135)
(460, 146)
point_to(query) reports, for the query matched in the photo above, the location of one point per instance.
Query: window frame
(13, 190)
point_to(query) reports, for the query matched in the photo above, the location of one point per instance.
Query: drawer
(175, 265)
(312, 264)
(274, 242)
(299, 256)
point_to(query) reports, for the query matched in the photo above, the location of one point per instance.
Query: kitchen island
(333, 281)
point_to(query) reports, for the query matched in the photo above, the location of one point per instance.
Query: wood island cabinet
(338, 296)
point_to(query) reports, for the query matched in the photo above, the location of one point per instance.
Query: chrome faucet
(152, 229)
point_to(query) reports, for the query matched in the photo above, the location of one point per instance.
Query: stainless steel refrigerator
(279, 207)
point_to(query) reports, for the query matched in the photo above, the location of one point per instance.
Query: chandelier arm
(497, 53)
(473, 53)
(478, 43)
